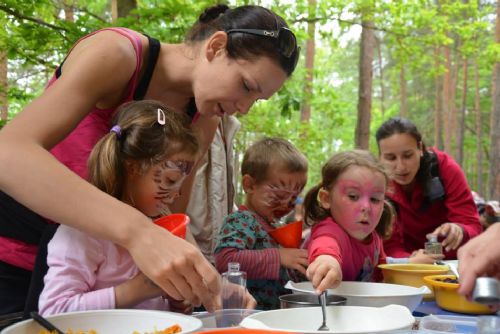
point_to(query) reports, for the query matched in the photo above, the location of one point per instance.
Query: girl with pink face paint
(347, 212)
(142, 161)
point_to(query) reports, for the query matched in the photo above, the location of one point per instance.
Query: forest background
(362, 61)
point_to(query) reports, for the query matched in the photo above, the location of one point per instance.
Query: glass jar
(433, 246)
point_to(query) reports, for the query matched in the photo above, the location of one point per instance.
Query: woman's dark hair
(138, 136)
(330, 172)
(398, 125)
(244, 45)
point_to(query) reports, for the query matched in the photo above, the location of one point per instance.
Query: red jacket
(413, 223)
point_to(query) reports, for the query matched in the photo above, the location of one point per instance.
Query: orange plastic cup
(288, 236)
(176, 223)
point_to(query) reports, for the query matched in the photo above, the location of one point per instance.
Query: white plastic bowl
(111, 322)
(340, 319)
(375, 294)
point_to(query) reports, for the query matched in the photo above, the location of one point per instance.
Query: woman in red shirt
(429, 191)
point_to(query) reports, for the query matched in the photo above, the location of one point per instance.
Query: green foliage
(36, 38)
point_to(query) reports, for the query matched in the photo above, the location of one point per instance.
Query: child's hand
(324, 273)
(420, 256)
(135, 291)
(179, 306)
(294, 258)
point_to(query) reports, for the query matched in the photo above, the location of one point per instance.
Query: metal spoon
(322, 301)
(45, 323)
(452, 266)
(291, 285)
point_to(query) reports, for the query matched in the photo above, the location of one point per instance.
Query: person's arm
(462, 219)
(30, 174)
(73, 259)
(235, 243)
(258, 264)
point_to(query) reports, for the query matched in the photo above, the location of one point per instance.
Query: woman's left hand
(453, 233)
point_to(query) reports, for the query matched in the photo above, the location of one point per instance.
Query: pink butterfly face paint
(356, 200)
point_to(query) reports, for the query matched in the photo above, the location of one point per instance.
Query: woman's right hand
(419, 256)
(324, 273)
(480, 256)
(176, 266)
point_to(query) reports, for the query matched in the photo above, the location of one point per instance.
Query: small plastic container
(488, 324)
(234, 284)
(444, 324)
(229, 318)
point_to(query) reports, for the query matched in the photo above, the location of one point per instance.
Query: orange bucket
(176, 223)
(288, 236)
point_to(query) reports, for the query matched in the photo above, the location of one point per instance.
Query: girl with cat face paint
(143, 162)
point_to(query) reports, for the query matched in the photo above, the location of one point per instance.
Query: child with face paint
(142, 161)
(273, 173)
(348, 215)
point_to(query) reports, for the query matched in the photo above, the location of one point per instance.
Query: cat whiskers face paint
(168, 177)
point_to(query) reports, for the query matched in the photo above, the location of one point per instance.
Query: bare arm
(30, 174)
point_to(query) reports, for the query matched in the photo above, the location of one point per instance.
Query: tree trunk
(381, 75)
(69, 14)
(461, 116)
(454, 66)
(122, 8)
(403, 109)
(4, 87)
(446, 100)
(438, 116)
(479, 132)
(305, 112)
(362, 136)
(494, 182)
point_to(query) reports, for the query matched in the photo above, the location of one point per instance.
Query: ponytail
(313, 211)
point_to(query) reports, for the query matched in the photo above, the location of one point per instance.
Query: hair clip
(116, 129)
(161, 117)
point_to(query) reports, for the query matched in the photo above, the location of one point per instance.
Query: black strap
(154, 51)
(434, 187)
(40, 269)
(434, 166)
(19, 222)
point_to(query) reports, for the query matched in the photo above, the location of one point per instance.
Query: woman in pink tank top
(230, 59)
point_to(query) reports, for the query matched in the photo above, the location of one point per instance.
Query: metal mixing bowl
(306, 300)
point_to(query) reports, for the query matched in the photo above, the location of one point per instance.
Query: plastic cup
(231, 317)
(175, 223)
(288, 236)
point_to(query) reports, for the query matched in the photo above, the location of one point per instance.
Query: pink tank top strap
(74, 150)
(136, 43)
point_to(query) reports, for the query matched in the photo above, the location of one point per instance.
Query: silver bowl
(307, 300)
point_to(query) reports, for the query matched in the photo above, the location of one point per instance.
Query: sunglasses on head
(287, 43)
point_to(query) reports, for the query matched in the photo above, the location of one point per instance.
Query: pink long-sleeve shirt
(358, 259)
(83, 272)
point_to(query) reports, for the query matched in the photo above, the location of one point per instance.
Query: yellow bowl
(412, 274)
(448, 298)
